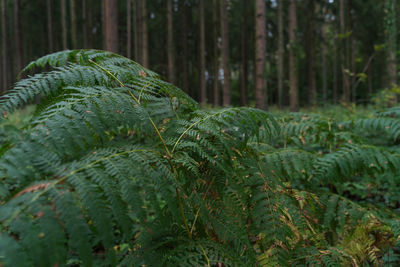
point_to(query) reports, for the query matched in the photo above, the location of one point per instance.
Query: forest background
(224, 52)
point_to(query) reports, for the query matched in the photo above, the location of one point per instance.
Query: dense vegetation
(117, 167)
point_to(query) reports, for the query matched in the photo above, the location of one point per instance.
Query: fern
(117, 167)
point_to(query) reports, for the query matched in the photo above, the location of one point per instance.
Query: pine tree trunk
(170, 42)
(145, 45)
(260, 84)
(312, 93)
(335, 72)
(244, 67)
(345, 78)
(226, 98)
(85, 29)
(129, 28)
(136, 30)
(4, 45)
(64, 24)
(215, 54)
(351, 54)
(89, 24)
(280, 52)
(111, 23)
(184, 49)
(50, 38)
(391, 43)
(293, 91)
(203, 92)
(323, 63)
(74, 41)
(18, 36)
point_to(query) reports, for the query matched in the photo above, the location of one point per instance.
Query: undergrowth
(118, 168)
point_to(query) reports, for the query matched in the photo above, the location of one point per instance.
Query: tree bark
(111, 23)
(145, 45)
(312, 93)
(391, 40)
(129, 28)
(184, 51)
(170, 42)
(137, 30)
(293, 91)
(260, 84)
(74, 41)
(4, 45)
(64, 25)
(226, 98)
(244, 67)
(280, 52)
(323, 64)
(85, 28)
(18, 36)
(216, 91)
(345, 78)
(203, 91)
(50, 37)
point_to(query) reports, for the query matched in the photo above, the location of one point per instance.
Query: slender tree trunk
(280, 52)
(74, 41)
(85, 29)
(335, 72)
(170, 42)
(145, 46)
(89, 24)
(226, 99)
(323, 64)
(50, 38)
(111, 19)
(345, 78)
(203, 91)
(312, 87)
(244, 67)
(215, 54)
(18, 36)
(293, 91)
(4, 45)
(391, 42)
(64, 24)
(137, 30)
(260, 85)
(184, 51)
(351, 54)
(129, 28)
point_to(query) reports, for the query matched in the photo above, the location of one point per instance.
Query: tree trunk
(145, 45)
(292, 57)
(391, 42)
(345, 78)
(85, 29)
(351, 52)
(111, 23)
(89, 24)
(312, 87)
(74, 41)
(50, 37)
(18, 36)
(260, 84)
(215, 54)
(4, 45)
(335, 72)
(226, 98)
(280, 52)
(64, 25)
(184, 51)
(170, 41)
(129, 28)
(203, 91)
(323, 64)
(137, 30)
(244, 68)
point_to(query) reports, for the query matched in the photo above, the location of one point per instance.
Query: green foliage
(117, 167)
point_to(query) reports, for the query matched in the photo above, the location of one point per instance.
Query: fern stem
(183, 213)
(205, 255)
